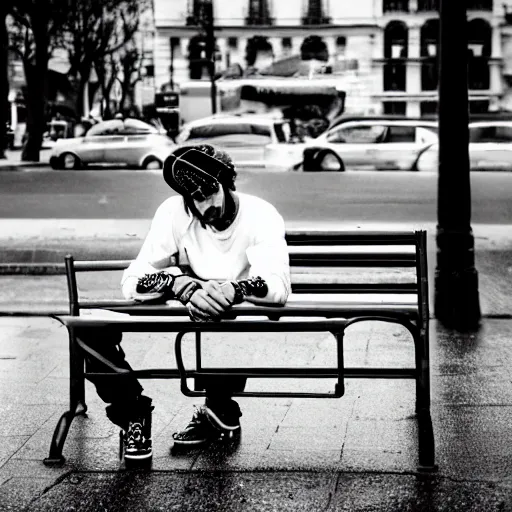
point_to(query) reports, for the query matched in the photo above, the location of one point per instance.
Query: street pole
(456, 301)
(209, 28)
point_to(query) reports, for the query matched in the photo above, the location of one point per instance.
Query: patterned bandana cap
(196, 171)
(193, 180)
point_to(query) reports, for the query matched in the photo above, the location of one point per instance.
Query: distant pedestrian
(209, 247)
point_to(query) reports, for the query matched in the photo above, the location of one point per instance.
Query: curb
(23, 166)
(49, 258)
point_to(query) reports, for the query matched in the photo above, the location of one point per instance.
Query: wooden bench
(329, 304)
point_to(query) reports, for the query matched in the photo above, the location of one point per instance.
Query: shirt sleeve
(268, 257)
(158, 252)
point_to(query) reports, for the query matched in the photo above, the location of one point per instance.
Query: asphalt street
(358, 196)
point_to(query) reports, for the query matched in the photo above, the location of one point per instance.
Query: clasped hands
(210, 301)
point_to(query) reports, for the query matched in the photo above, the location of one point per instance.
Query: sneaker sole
(218, 423)
(138, 457)
(190, 443)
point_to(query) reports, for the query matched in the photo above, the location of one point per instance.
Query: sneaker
(137, 444)
(136, 434)
(198, 431)
(154, 286)
(224, 422)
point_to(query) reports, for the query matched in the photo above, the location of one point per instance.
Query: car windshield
(134, 126)
(119, 126)
(220, 129)
(360, 134)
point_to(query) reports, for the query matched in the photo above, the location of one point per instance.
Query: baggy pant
(122, 392)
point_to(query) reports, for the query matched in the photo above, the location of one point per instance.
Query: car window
(218, 129)
(366, 134)
(401, 134)
(499, 133)
(136, 127)
(113, 127)
(235, 140)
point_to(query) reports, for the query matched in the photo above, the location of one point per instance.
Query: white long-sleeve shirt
(253, 245)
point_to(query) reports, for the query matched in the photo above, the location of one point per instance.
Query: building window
(395, 40)
(197, 9)
(396, 6)
(394, 108)
(315, 14)
(395, 50)
(233, 43)
(200, 58)
(428, 5)
(479, 5)
(341, 45)
(394, 76)
(428, 108)
(286, 46)
(429, 44)
(479, 52)
(259, 13)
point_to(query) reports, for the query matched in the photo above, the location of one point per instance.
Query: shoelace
(134, 434)
(198, 417)
(151, 283)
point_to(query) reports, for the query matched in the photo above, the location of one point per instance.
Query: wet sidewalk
(354, 453)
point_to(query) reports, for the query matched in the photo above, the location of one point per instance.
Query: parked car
(128, 142)
(244, 137)
(356, 143)
(490, 148)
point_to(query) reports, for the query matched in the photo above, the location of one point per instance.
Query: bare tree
(5, 8)
(35, 25)
(131, 74)
(97, 29)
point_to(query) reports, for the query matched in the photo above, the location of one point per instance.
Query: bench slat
(354, 288)
(301, 237)
(316, 260)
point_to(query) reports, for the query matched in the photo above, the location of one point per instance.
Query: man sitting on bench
(209, 247)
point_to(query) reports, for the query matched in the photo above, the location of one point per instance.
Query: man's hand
(208, 303)
(229, 291)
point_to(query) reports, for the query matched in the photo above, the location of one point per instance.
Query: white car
(128, 142)
(243, 137)
(490, 148)
(362, 143)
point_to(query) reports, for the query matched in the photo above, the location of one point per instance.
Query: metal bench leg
(339, 387)
(77, 403)
(426, 443)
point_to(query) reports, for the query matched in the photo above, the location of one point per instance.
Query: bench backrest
(327, 262)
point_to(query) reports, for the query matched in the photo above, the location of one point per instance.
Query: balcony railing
(316, 20)
(395, 6)
(259, 20)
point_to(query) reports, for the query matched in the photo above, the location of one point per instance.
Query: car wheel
(55, 163)
(321, 159)
(152, 163)
(70, 161)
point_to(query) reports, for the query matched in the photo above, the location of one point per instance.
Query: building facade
(394, 44)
